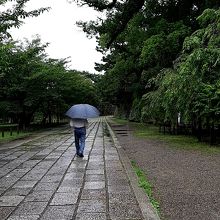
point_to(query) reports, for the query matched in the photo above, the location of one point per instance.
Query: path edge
(148, 212)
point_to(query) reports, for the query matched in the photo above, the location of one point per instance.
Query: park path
(186, 183)
(41, 178)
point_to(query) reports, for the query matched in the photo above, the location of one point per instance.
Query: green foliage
(146, 185)
(190, 43)
(208, 16)
(108, 86)
(158, 105)
(164, 43)
(135, 113)
(13, 16)
(120, 13)
(152, 62)
(8, 137)
(152, 48)
(138, 57)
(175, 141)
(192, 88)
(199, 70)
(33, 84)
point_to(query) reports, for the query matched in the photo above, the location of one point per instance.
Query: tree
(8, 19)
(200, 66)
(19, 63)
(31, 83)
(13, 17)
(34, 84)
(192, 87)
(119, 13)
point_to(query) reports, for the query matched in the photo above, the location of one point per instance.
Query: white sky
(58, 27)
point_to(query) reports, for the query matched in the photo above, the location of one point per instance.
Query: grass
(119, 121)
(8, 125)
(175, 141)
(7, 137)
(146, 185)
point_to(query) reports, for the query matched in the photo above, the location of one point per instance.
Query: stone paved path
(43, 179)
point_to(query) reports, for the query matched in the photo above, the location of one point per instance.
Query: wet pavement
(41, 178)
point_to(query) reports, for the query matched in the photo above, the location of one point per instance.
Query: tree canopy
(160, 63)
(12, 17)
(120, 13)
(160, 59)
(34, 86)
(33, 83)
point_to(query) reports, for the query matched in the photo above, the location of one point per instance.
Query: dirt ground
(186, 183)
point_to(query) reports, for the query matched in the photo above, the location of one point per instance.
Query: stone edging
(147, 210)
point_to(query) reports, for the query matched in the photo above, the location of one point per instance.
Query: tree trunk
(43, 122)
(212, 134)
(199, 130)
(50, 118)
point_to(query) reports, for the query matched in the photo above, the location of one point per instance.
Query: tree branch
(130, 9)
(99, 4)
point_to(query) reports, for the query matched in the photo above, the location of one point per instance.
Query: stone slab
(30, 208)
(91, 216)
(24, 217)
(64, 199)
(43, 186)
(92, 206)
(90, 194)
(94, 185)
(39, 196)
(25, 184)
(5, 212)
(58, 212)
(10, 200)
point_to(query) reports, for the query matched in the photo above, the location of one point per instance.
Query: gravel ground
(186, 183)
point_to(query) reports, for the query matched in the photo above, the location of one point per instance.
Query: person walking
(79, 128)
(79, 114)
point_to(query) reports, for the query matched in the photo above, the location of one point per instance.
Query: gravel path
(186, 183)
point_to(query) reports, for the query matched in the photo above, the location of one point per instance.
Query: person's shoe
(80, 155)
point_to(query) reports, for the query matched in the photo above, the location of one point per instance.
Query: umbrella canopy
(83, 111)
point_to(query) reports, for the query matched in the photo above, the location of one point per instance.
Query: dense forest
(161, 65)
(161, 61)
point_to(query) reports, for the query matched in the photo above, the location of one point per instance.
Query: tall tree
(119, 13)
(192, 87)
(33, 83)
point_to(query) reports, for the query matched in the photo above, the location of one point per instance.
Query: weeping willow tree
(192, 86)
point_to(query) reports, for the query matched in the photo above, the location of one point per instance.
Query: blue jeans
(80, 137)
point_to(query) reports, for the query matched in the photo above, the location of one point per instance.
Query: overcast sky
(58, 27)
